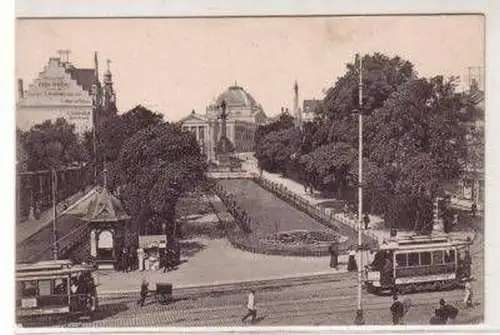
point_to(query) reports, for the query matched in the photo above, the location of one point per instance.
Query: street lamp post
(359, 319)
(54, 210)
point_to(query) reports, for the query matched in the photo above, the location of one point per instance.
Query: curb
(199, 290)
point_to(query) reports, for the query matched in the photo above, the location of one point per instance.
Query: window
(425, 258)
(60, 286)
(449, 256)
(44, 287)
(437, 257)
(27, 289)
(401, 260)
(413, 259)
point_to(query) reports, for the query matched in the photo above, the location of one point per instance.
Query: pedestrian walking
(468, 294)
(124, 259)
(467, 265)
(252, 310)
(397, 310)
(446, 311)
(455, 220)
(334, 255)
(352, 266)
(473, 209)
(366, 220)
(436, 319)
(144, 292)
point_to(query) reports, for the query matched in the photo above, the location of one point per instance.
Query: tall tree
(52, 144)
(157, 165)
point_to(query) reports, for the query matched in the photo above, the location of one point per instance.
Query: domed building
(244, 115)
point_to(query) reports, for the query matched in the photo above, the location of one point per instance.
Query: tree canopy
(156, 166)
(51, 144)
(413, 136)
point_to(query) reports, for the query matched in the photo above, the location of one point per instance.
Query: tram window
(28, 289)
(449, 256)
(425, 258)
(401, 260)
(60, 286)
(437, 257)
(44, 287)
(413, 259)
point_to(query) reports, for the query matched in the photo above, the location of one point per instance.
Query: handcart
(163, 293)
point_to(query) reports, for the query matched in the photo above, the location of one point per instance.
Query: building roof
(105, 207)
(84, 77)
(236, 96)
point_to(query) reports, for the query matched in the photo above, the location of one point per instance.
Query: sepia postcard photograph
(248, 171)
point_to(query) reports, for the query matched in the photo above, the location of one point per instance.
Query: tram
(54, 288)
(413, 263)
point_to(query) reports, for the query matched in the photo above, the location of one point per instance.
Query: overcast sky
(175, 65)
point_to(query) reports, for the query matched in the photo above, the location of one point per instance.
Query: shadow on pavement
(108, 310)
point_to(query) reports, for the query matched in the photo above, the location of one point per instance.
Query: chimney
(20, 88)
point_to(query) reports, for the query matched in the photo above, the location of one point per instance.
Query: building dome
(236, 96)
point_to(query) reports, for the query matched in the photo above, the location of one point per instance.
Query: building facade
(244, 115)
(62, 90)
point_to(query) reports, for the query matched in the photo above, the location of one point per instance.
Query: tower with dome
(243, 115)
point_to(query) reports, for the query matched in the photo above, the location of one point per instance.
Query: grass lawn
(269, 212)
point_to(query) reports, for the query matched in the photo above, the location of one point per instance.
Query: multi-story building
(244, 115)
(63, 90)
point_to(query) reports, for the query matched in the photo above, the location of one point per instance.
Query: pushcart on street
(163, 293)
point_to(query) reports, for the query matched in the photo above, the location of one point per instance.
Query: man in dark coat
(473, 209)
(334, 255)
(366, 220)
(124, 259)
(397, 310)
(144, 292)
(467, 264)
(446, 311)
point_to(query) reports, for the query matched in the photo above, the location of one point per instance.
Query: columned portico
(243, 117)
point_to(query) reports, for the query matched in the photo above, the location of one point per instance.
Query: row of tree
(414, 134)
(151, 162)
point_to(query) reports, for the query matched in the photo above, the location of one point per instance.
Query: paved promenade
(377, 229)
(217, 262)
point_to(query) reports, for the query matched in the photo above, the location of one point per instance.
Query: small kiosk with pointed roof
(109, 226)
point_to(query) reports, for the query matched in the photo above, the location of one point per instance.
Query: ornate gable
(59, 85)
(105, 208)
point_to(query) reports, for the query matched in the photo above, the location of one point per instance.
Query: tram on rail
(417, 263)
(55, 288)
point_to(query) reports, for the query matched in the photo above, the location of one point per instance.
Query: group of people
(126, 260)
(351, 210)
(442, 315)
(352, 265)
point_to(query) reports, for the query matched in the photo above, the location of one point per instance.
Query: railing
(34, 189)
(323, 215)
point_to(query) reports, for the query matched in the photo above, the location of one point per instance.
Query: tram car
(54, 290)
(413, 263)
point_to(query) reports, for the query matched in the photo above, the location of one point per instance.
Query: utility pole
(54, 209)
(359, 319)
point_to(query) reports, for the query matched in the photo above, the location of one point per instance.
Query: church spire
(96, 66)
(109, 93)
(296, 109)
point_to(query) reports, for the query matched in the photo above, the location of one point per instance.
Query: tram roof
(48, 268)
(412, 242)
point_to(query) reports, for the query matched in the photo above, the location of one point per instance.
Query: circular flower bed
(288, 243)
(305, 237)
